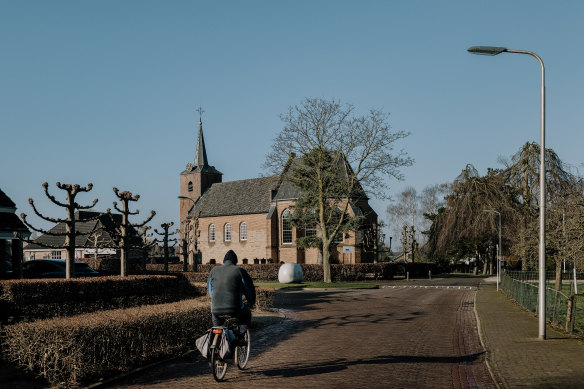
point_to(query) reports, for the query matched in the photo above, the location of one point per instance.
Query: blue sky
(106, 91)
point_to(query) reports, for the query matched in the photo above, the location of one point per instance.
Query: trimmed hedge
(84, 348)
(269, 272)
(70, 351)
(40, 299)
(111, 265)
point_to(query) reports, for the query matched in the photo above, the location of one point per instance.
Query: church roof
(200, 151)
(201, 164)
(237, 197)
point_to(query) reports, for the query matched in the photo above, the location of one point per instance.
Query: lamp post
(499, 248)
(194, 233)
(491, 50)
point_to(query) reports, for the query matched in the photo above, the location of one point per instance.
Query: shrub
(84, 348)
(40, 299)
(311, 272)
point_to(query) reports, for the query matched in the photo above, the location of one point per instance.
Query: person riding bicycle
(227, 284)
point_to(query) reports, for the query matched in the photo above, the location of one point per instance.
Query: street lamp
(491, 50)
(499, 248)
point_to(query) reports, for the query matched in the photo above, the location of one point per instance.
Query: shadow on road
(312, 368)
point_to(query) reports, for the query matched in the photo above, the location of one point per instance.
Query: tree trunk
(185, 255)
(492, 259)
(558, 275)
(326, 263)
(165, 245)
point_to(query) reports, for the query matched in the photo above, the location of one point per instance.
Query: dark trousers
(243, 315)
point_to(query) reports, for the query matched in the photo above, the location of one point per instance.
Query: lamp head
(486, 50)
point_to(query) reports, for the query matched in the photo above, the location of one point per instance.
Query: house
(10, 247)
(97, 233)
(252, 217)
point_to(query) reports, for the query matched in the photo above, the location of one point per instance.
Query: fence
(563, 308)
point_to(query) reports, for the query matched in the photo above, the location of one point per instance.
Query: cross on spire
(200, 111)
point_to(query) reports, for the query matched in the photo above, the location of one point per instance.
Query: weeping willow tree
(462, 228)
(522, 173)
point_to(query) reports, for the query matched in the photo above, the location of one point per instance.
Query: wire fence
(564, 308)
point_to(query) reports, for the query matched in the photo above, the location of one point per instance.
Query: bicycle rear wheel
(218, 366)
(242, 352)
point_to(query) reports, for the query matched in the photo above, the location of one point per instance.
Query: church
(252, 217)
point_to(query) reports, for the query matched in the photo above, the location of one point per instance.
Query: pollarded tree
(70, 232)
(329, 139)
(124, 236)
(165, 240)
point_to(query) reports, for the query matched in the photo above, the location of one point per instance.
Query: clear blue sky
(106, 91)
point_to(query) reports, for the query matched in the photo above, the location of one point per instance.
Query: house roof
(237, 197)
(83, 226)
(5, 200)
(9, 222)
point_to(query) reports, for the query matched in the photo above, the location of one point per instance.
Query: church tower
(197, 177)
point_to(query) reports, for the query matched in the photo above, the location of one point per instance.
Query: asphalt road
(393, 337)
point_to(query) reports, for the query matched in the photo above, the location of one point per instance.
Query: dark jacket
(227, 284)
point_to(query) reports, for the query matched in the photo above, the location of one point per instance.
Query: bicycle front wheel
(218, 366)
(242, 352)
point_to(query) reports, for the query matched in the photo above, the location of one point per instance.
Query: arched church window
(190, 186)
(243, 231)
(228, 232)
(286, 227)
(212, 233)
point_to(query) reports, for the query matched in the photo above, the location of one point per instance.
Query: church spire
(200, 151)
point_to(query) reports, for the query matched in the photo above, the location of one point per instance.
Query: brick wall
(253, 247)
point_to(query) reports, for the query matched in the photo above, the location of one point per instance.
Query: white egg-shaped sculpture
(290, 272)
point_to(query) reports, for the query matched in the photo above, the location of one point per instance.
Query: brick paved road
(385, 338)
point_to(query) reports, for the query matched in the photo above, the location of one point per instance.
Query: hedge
(70, 351)
(40, 299)
(269, 271)
(84, 348)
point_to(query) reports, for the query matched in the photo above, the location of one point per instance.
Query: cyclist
(227, 284)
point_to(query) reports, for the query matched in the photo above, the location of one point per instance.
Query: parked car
(6, 270)
(55, 268)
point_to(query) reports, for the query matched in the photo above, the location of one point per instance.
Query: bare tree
(404, 211)
(165, 240)
(123, 230)
(70, 232)
(97, 240)
(331, 143)
(411, 209)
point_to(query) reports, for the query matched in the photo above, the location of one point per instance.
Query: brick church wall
(253, 247)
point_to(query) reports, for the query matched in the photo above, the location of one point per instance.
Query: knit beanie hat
(230, 256)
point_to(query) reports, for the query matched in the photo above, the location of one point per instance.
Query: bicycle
(241, 344)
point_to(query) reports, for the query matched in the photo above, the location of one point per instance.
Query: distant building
(98, 234)
(10, 246)
(252, 217)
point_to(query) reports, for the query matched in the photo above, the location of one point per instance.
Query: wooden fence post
(570, 315)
